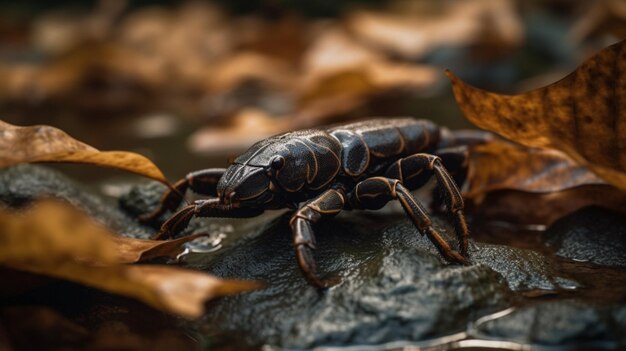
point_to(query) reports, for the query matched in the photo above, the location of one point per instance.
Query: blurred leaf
(500, 165)
(247, 127)
(56, 240)
(583, 115)
(414, 29)
(49, 144)
(42, 328)
(599, 18)
(337, 64)
(544, 208)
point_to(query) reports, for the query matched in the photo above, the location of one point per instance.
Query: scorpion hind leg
(454, 203)
(409, 171)
(374, 192)
(327, 204)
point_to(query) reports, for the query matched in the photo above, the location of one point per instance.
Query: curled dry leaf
(512, 183)
(48, 144)
(500, 165)
(545, 208)
(56, 240)
(583, 115)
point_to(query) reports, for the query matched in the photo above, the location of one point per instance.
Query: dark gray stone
(522, 269)
(564, 323)
(593, 234)
(22, 184)
(142, 198)
(394, 285)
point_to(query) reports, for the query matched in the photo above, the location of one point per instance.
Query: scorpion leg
(329, 203)
(202, 208)
(374, 193)
(203, 182)
(409, 171)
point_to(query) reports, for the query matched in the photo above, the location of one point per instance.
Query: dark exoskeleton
(361, 165)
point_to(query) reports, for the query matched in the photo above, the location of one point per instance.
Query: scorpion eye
(278, 162)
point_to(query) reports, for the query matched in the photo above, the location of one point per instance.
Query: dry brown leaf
(583, 115)
(417, 28)
(132, 250)
(599, 18)
(545, 208)
(48, 144)
(236, 69)
(500, 165)
(56, 240)
(337, 64)
(247, 127)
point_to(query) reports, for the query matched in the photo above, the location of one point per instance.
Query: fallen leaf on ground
(500, 165)
(56, 240)
(414, 29)
(583, 115)
(48, 144)
(41, 328)
(513, 183)
(247, 127)
(132, 250)
(545, 208)
(338, 64)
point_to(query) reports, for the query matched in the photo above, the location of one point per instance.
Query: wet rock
(22, 184)
(394, 286)
(594, 234)
(522, 269)
(142, 198)
(568, 324)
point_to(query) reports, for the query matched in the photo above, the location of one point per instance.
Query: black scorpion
(361, 165)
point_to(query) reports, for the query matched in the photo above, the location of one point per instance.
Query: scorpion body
(360, 165)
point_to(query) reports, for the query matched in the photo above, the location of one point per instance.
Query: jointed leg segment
(409, 172)
(203, 182)
(374, 192)
(203, 208)
(328, 204)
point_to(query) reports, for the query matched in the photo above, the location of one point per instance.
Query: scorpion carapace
(361, 165)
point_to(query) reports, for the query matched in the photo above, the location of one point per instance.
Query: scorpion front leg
(409, 171)
(203, 182)
(328, 204)
(374, 193)
(203, 208)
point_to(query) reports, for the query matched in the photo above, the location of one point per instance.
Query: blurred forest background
(190, 84)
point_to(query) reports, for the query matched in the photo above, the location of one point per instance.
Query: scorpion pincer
(360, 165)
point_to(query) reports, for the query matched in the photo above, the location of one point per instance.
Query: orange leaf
(545, 208)
(132, 250)
(56, 240)
(48, 144)
(583, 115)
(499, 165)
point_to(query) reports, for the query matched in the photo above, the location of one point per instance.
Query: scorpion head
(274, 168)
(251, 178)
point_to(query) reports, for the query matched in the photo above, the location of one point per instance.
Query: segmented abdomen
(367, 146)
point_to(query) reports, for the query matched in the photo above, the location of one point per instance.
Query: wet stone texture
(592, 234)
(561, 323)
(392, 286)
(22, 184)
